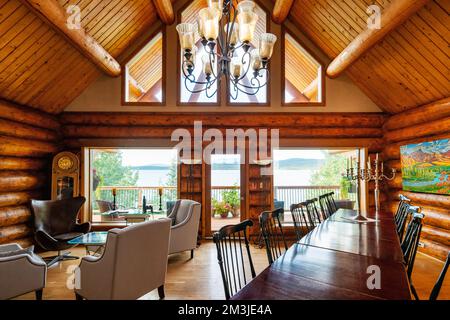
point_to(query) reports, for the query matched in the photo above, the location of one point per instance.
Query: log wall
(28, 139)
(300, 130)
(425, 123)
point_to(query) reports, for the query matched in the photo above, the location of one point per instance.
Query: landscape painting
(426, 167)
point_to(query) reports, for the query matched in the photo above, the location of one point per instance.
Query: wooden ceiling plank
(138, 19)
(55, 15)
(422, 73)
(8, 9)
(392, 16)
(429, 38)
(426, 57)
(165, 11)
(436, 18)
(17, 34)
(46, 72)
(391, 60)
(25, 50)
(23, 76)
(281, 10)
(326, 17)
(142, 22)
(122, 23)
(104, 17)
(303, 19)
(444, 4)
(396, 76)
(422, 65)
(20, 17)
(23, 40)
(82, 69)
(18, 70)
(59, 67)
(413, 75)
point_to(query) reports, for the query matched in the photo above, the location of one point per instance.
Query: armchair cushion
(16, 252)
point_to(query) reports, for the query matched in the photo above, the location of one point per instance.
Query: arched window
(143, 74)
(303, 74)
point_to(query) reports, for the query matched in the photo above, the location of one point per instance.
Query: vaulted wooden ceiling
(409, 68)
(40, 68)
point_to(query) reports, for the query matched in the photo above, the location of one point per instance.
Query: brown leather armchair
(56, 223)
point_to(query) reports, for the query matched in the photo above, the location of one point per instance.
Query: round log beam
(25, 148)
(19, 130)
(19, 198)
(242, 120)
(434, 249)
(430, 112)
(13, 181)
(423, 130)
(14, 215)
(165, 11)
(19, 231)
(72, 131)
(435, 234)
(281, 10)
(15, 112)
(12, 163)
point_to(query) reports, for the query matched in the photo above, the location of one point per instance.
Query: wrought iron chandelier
(225, 27)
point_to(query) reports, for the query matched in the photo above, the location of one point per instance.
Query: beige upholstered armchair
(186, 218)
(20, 273)
(133, 263)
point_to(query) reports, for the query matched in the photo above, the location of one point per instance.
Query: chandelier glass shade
(226, 30)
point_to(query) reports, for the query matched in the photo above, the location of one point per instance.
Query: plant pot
(224, 215)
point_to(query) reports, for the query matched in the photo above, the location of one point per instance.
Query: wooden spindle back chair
(234, 257)
(401, 216)
(301, 220)
(410, 242)
(332, 202)
(326, 211)
(272, 232)
(437, 287)
(313, 212)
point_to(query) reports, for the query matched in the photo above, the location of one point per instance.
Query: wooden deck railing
(131, 197)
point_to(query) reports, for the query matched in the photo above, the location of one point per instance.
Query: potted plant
(232, 199)
(220, 208)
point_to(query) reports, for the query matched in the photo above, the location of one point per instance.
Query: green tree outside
(111, 171)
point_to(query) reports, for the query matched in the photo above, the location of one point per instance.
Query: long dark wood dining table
(332, 262)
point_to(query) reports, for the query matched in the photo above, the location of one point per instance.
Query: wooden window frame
(124, 76)
(218, 103)
(322, 103)
(268, 86)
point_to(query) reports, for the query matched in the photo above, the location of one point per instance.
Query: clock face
(65, 163)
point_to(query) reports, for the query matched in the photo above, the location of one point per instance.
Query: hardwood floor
(200, 278)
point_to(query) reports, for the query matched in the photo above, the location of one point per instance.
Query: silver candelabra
(367, 174)
(377, 175)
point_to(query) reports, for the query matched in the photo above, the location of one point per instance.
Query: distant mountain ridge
(287, 164)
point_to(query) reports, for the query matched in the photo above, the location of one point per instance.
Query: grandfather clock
(65, 176)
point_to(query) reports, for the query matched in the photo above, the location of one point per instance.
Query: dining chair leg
(161, 293)
(414, 292)
(78, 297)
(38, 294)
(192, 254)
